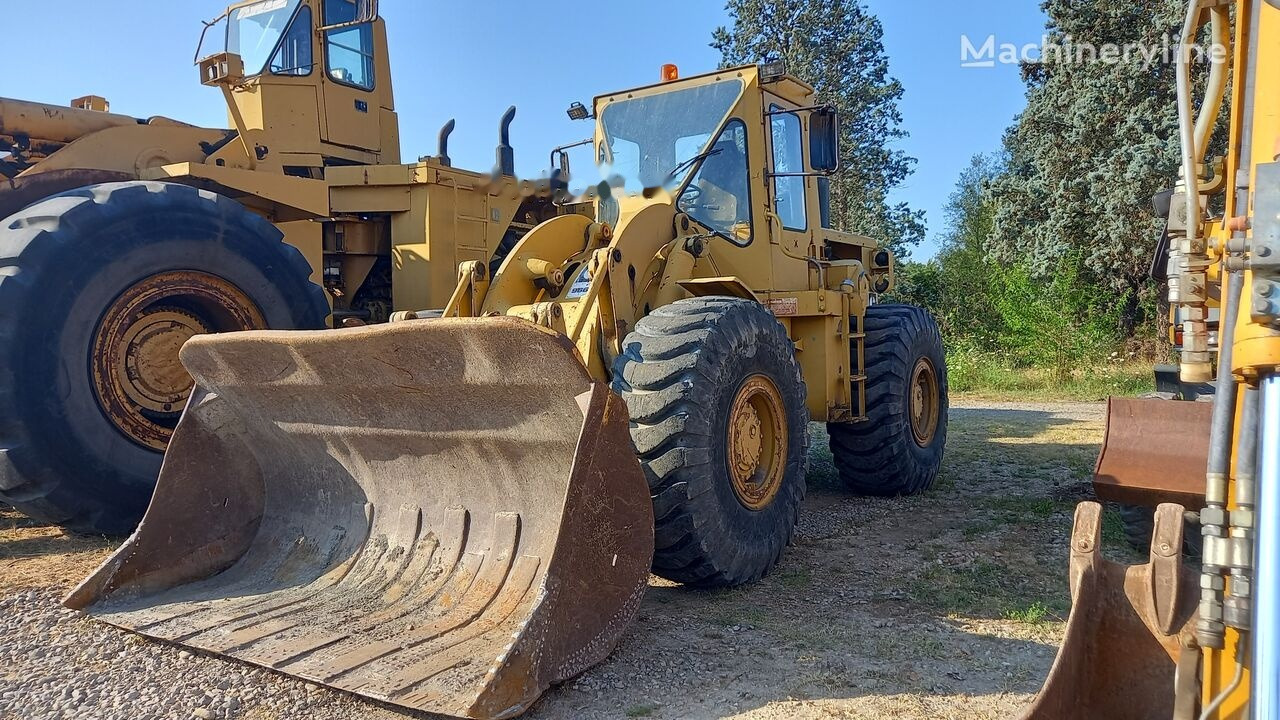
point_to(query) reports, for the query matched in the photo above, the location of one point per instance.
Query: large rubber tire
(1139, 524)
(63, 262)
(882, 456)
(680, 373)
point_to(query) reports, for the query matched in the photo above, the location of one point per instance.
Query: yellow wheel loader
(449, 513)
(1161, 640)
(120, 238)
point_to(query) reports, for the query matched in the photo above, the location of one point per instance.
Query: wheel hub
(746, 439)
(757, 442)
(139, 381)
(925, 403)
(147, 369)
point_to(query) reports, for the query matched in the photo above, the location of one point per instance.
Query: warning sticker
(784, 307)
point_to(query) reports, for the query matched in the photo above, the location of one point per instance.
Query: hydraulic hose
(1210, 629)
(1188, 258)
(1238, 608)
(1186, 119)
(1216, 89)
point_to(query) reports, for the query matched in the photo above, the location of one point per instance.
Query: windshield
(254, 30)
(653, 141)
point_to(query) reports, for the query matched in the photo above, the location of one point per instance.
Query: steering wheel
(689, 198)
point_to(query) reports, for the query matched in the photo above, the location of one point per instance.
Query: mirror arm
(563, 148)
(788, 111)
(205, 31)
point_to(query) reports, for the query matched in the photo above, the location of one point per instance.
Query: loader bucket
(1154, 451)
(1129, 641)
(443, 514)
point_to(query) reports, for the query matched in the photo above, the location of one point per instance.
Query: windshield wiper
(685, 165)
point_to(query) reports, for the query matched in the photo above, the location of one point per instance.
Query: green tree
(1097, 140)
(967, 269)
(956, 285)
(837, 46)
(1058, 323)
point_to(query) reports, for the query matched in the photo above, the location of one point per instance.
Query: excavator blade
(443, 514)
(1154, 451)
(1129, 652)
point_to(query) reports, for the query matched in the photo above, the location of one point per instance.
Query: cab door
(788, 181)
(350, 79)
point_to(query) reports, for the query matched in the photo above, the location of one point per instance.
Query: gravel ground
(947, 605)
(59, 665)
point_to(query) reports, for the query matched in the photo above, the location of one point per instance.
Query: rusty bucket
(1154, 451)
(1129, 651)
(445, 514)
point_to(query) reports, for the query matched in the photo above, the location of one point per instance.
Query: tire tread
(878, 456)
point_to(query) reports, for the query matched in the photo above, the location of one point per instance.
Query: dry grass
(34, 555)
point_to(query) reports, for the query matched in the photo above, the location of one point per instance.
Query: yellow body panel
(131, 149)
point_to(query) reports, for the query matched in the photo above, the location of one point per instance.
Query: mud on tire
(683, 371)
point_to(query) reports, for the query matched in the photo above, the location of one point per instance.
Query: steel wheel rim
(924, 402)
(137, 378)
(757, 447)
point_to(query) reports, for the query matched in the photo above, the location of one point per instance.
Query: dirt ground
(946, 605)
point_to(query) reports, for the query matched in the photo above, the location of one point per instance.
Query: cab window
(788, 157)
(719, 196)
(294, 55)
(349, 49)
(254, 31)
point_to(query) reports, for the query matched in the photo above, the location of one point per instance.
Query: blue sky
(471, 60)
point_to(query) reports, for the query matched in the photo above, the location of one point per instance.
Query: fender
(726, 286)
(25, 190)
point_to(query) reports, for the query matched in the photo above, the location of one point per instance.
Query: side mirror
(222, 69)
(824, 140)
(361, 12)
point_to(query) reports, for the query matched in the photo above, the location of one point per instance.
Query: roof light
(670, 72)
(773, 70)
(578, 111)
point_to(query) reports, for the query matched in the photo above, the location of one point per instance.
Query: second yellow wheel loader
(449, 514)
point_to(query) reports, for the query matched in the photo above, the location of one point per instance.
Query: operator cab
(694, 139)
(307, 82)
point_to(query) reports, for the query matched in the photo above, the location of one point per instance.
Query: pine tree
(1097, 140)
(837, 46)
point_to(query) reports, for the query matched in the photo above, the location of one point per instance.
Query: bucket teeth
(1128, 629)
(378, 510)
